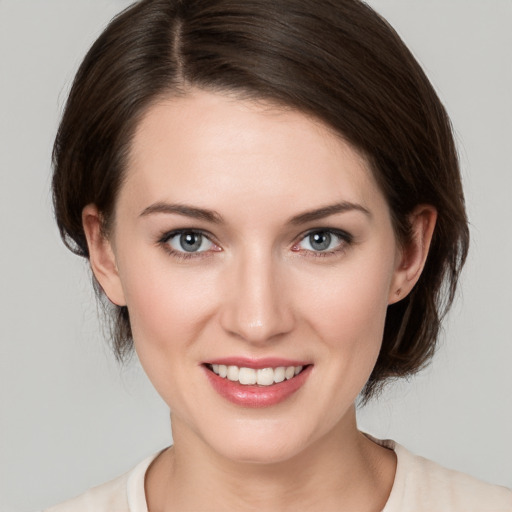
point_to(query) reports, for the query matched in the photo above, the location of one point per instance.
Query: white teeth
(233, 372)
(289, 372)
(279, 374)
(262, 376)
(247, 376)
(265, 376)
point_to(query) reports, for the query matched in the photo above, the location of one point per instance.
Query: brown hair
(335, 59)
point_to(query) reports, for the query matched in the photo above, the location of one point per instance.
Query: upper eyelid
(305, 233)
(343, 234)
(174, 232)
(335, 231)
(163, 241)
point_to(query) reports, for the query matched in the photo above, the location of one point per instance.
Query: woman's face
(248, 236)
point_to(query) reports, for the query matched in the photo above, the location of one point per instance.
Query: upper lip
(256, 364)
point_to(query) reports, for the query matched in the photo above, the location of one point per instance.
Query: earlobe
(414, 254)
(101, 256)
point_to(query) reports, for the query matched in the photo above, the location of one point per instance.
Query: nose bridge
(257, 308)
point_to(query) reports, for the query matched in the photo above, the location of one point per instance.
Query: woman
(277, 220)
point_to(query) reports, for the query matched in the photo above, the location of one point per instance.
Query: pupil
(320, 241)
(191, 242)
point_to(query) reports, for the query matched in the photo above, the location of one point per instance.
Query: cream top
(420, 485)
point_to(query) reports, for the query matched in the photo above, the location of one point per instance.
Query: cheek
(349, 310)
(351, 303)
(167, 304)
(168, 313)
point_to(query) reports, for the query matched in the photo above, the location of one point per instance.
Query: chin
(260, 453)
(260, 442)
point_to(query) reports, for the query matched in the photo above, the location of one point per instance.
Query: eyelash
(346, 239)
(164, 239)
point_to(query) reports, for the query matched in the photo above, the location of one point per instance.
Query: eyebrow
(183, 209)
(215, 217)
(326, 211)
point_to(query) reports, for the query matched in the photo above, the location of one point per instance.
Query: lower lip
(257, 396)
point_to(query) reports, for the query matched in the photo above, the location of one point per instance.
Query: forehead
(208, 146)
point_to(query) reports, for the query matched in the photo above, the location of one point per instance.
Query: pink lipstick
(256, 382)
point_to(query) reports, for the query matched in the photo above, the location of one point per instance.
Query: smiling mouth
(250, 376)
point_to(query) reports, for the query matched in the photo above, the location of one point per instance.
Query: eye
(189, 242)
(323, 241)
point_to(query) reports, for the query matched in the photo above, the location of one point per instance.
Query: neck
(341, 471)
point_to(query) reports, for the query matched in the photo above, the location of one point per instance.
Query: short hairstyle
(336, 60)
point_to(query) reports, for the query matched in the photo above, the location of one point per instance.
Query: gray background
(71, 418)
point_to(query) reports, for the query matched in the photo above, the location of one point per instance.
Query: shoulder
(103, 498)
(123, 494)
(425, 486)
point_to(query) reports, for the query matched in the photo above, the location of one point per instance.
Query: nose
(256, 306)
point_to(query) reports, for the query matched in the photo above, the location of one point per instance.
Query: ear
(101, 256)
(413, 255)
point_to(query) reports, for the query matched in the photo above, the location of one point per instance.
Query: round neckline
(136, 492)
(135, 485)
(393, 500)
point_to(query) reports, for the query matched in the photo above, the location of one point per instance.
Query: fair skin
(257, 284)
